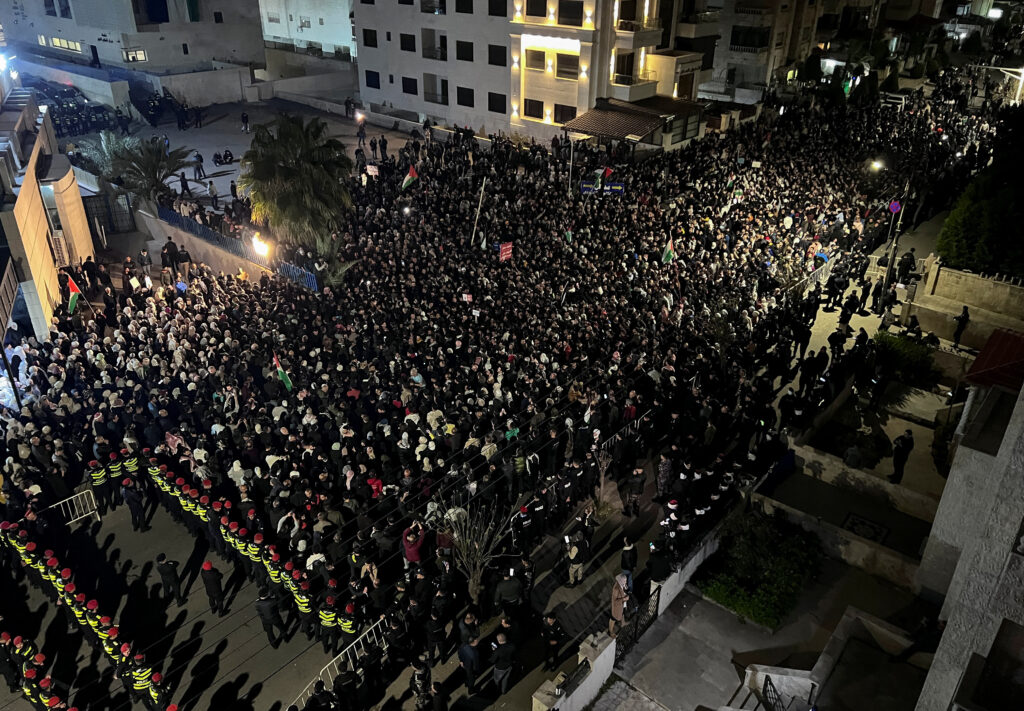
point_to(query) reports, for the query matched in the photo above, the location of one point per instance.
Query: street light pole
(890, 268)
(572, 148)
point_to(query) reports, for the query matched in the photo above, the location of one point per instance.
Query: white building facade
(158, 36)
(515, 66)
(323, 26)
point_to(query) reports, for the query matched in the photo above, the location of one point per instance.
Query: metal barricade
(371, 636)
(635, 627)
(77, 507)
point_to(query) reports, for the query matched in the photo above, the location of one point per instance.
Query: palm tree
(134, 166)
(295, 175)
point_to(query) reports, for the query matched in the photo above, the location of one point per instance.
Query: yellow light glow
(515, 110)
(551, 15)
(643, 58)
(675, 93)
(547, 116)
(876, 165)
(551, 66)
(259, 246)
(647, 9)
(583, 71)
(519, 10)
(543, 42)
(589, 18)
(611, 64)
(515, 62)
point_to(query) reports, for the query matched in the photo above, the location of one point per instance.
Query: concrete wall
(111, 93)
(73, 220)
(849, 547)
(220, 260)
(832, 470)
(285, 64)
(986, 587)
(217, 86)
(975, 290)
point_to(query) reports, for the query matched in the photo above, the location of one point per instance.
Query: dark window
(568, 66)
(535, 59)
(409, 86)
(537, 8)
(65, 8)
(407, 42)
(50, 8)
(570, 12)
(497, 8)
(533, 108)
(218, 17)
(388, 36)
(564, 113)
(372, 79)
(405, 2)
(750, 36)
(498, 103)
(497, 55)
(464, 96)
(464, 51)
(465, 6)
(367, 2)
(369, 38)
(184, 48)
(391, 78)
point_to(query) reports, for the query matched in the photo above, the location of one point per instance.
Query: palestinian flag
(669, 254)
(410, 178)
(74, 293)
(601, 174)
(282, 374)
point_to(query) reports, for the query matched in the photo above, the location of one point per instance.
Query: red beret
(105, 620)
(39, 658)
(113, 455)
(92, 605)
(69, 588)
(207, 565)
(330, 600)
(350, 608)
(126, 482)
(243, 532)
(157, 677)
(112, 632)
(258, 538)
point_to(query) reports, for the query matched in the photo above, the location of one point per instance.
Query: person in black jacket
(266, 607)
(553, 635)
(504, 659)
(658, 566)
(168, 570)
(469, 660)
(212, 581)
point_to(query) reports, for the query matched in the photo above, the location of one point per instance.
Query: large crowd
(317, 439)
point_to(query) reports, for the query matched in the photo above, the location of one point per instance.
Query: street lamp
(877, 165)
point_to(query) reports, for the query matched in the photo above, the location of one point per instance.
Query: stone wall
(975, 290)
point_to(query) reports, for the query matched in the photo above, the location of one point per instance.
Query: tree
(478, 533)
(295, 175)
(134, 166)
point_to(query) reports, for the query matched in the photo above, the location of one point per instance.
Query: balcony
(634, 34)
(753, 52)
(436, 98)
(627, 87)
(754, 16)
(434, 7)
(438, 53)
(699, 24)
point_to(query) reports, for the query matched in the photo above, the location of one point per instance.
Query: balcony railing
(747, 50)
(438, 53)
(630, 80)
(639, 25)
(434, 7)
(752, 10)
(436, 98)
(700, 18)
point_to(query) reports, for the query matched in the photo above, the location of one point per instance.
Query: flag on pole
(75, 292)
(600, 175)
(282, 374)
(670, 252)
(410, 178)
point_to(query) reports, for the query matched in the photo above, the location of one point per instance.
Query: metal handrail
(374, 634)
(639, 25)
(746, 50)
(435, 53)
(630, 80)
(436, 98)
(75, 508)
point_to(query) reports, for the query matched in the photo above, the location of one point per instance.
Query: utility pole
(891, 267)
(572, 148)
(479, 204)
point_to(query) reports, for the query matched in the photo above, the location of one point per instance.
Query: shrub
(761, 567)
(906, 359)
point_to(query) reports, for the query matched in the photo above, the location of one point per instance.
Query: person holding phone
(619, 599)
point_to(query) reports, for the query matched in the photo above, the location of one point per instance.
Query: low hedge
(761, 567)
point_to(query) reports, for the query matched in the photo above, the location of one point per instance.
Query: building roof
(1001, 361)
(613, 118)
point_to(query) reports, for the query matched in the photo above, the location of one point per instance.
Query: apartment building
(761, 41)
(157, 36)
(521, 66)
(43, 224)
(308, 37)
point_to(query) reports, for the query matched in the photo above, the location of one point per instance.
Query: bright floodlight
(261, 247)
(3, 63)
(407, 210)
(877, 165)
(359, 116)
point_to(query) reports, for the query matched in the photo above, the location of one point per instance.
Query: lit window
(273, 18)
(533, 108)
(535, 59)
(304, 22)
(61, 43)
(41, 39)
(134, 55)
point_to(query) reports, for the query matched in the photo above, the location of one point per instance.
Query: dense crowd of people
(318, 440)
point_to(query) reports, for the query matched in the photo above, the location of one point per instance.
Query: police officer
(133, 499)
(158, 693)
(100, 488)
(212, 581)
(553, 635)
(270, 618)
(168, 570)
(304, 610)
(114, 469)
(348, 625)
(328, 626)
(141, 674)
(522, 529)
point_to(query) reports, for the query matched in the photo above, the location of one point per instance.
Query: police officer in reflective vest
(328, 626)
(100, 489)
(348, 625)
(114, 470)
(141, 678)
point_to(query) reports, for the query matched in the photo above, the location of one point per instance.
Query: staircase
(747, 699)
